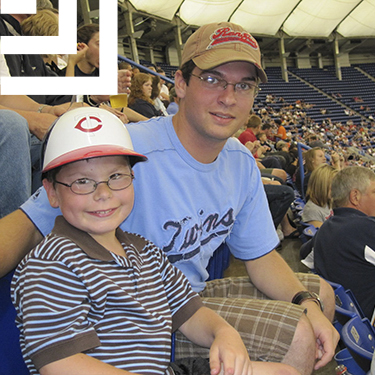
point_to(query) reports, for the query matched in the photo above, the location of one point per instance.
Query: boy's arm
(18, 236)
(208, 329)
(81, 364)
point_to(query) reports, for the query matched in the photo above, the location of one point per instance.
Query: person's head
(313, 158)
(282, 146)
(87, 169)
(43, 4)
(89, 34)
(162, 72)
(354, 187)
(262, 137)
(156, 87)
(141, 88)
(124, 65)
(319, 185)
(219, 76)
(254, 122)
(135, 71)
(173, 96)
(44, 23)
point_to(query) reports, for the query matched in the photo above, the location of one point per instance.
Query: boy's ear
(51, 193)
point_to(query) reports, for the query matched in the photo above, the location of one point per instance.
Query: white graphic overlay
(18, 6)
(66, 43)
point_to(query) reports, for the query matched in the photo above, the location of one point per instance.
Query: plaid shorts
(266, 326)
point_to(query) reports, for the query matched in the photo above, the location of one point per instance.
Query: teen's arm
(271, 275)
(18, 236)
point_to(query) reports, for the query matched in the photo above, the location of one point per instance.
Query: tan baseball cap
(215, 44)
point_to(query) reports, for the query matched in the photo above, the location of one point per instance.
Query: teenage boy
(110, 299)
(202, 187)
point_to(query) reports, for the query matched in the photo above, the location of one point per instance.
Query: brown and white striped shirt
(73, 296)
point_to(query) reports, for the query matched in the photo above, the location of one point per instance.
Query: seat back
(359, 337)
(343, 357)
(308, 232)
(347, 306)
(11, 361)
(219, 262)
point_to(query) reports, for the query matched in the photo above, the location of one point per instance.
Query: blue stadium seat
(359, 337)
(308, 232)
(347, 306)
(343, 357)
(219, 262)
(11, 361)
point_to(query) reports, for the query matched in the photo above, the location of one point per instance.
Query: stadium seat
(343, 357)
(11, 361)
(347, 306)
(219, 262)
(359, 337)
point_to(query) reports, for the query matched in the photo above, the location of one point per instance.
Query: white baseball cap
(86, 133)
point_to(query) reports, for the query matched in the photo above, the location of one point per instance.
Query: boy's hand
(228, 353)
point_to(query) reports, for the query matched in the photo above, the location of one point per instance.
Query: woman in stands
(140, 96)
(313, 158)
(156, 89)
(318, 196)
(319, 206)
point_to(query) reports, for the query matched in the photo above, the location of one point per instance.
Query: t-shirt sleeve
(47, 294)
(40, 212)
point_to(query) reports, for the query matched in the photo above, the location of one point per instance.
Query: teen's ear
(51, 193)
(180, 84)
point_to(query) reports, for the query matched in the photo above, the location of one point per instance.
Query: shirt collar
(93, 249)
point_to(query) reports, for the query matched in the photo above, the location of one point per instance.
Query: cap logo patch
(89, 124)
(227, 35)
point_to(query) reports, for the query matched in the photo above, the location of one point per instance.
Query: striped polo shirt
(73, 296)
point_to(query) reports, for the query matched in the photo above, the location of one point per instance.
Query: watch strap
(307, 296)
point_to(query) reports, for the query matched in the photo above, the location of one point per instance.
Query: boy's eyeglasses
(243, 87)
(84, 186)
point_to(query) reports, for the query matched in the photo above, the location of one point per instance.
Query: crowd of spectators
(352, 141)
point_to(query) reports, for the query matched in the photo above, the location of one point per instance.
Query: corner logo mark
(227, 35)
(89, 124)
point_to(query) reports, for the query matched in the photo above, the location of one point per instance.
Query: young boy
(92, 299)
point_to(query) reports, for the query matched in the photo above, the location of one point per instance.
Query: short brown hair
(254, 121)
(86, 32)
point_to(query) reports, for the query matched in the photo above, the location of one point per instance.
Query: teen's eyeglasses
(245, 88)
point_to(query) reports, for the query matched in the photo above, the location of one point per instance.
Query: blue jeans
(279, 198)
(35, 152)
(15, 161)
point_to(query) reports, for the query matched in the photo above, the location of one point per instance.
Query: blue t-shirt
(185, 207)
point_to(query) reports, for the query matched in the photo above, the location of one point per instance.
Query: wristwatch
(307, 296)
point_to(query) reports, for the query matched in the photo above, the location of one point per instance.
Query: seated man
(114, 300)
(344, 246)
(199, 188)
